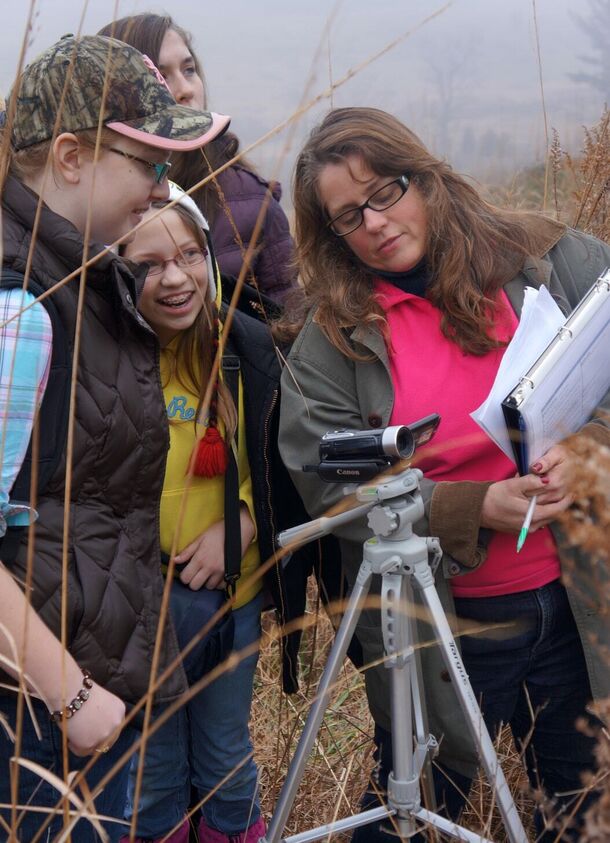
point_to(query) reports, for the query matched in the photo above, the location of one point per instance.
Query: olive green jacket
(323, 390)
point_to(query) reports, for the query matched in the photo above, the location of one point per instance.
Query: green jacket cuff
(455, 517)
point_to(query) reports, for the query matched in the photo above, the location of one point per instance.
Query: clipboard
(559, 393)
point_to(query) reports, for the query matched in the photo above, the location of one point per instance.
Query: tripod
(406, 563)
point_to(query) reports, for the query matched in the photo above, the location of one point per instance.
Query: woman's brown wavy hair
(472, 247)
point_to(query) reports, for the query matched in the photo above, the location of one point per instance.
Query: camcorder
(354, 456)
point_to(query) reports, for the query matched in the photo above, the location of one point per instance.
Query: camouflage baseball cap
(94, 75)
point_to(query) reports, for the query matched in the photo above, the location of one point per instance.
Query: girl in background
(232, 201)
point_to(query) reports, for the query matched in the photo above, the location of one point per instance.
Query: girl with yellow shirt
(209, 739)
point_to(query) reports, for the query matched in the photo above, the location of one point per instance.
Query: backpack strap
(233, 549)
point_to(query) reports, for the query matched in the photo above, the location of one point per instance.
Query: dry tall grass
(339, 767)
(577, 190)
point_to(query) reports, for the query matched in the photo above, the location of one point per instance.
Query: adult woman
(81, 171)
(233, 201)
(415, 285)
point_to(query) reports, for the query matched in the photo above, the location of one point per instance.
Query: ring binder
(567, 382)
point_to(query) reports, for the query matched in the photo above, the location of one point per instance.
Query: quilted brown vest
(120, 445)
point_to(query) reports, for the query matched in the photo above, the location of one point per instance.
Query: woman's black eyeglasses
(383, 198)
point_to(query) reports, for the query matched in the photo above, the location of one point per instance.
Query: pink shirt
(433, 375)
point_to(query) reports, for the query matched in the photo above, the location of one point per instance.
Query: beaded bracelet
(78, 701)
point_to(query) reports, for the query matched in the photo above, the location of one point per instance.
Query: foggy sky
(467, 82)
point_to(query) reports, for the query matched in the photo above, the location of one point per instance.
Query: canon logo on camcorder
(346, 471)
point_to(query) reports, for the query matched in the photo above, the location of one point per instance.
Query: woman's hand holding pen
(506, 503)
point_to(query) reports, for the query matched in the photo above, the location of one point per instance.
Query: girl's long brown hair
(146, 32)
(472, 247)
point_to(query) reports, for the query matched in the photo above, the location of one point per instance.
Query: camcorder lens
(397, 441)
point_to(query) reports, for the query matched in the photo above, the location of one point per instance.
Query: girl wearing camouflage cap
(86, 136)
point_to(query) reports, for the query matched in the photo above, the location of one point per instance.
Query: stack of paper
(540, 320)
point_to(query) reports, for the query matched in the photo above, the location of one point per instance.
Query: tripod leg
(316, 713)
(474, 718)
(408, 714)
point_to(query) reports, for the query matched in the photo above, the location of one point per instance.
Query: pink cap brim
(220, 123)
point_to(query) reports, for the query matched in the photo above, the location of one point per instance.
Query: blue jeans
(542, 669)
(47, 752)
(200, 745)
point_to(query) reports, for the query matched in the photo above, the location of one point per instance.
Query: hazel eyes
(183, 260)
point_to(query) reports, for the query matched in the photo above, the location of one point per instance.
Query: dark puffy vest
(119, 448)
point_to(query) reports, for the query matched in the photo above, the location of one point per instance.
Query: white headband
(176, 193)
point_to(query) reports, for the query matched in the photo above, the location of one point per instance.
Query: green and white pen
(526, 523)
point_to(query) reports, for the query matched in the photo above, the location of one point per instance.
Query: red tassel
(211, 459)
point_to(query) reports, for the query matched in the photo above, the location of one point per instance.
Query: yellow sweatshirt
(204, 503)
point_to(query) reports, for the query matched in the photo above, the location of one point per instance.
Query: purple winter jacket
(244, 193)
